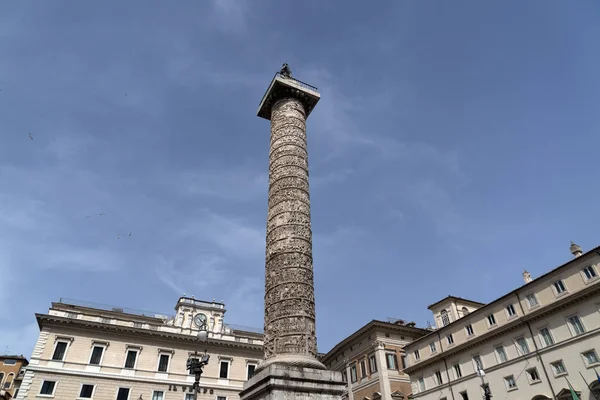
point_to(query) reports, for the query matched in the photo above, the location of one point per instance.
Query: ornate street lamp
(196, 361)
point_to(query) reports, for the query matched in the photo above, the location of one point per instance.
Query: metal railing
(245, 328)
(107, 307)
(300, 83)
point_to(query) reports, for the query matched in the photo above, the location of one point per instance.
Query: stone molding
(82, 325)
(119, 377)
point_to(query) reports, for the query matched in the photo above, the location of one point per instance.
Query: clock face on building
(200, 320)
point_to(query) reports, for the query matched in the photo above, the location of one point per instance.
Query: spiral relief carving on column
(289, 290)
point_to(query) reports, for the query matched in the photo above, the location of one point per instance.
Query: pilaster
(349, 379)
(384, 379)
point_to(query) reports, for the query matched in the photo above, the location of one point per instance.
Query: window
(353, 375)
(86, 391)
(590, 357)
(432, 347)
(363, 369)
(1, 376)
(131, 359)
(464, 396)
(445, 317)
(491, 320)
(421, 384)
(469, 329)
(438, 378)
(48, 387)
(221, 398)
(450, 339)
(372, 364)
(510, 310)
(532, 375)
(163, 362)
(558, 367)
(531, 300)
(510, 382)
(96, 356)
(250, 369)
(559, 287)
(158, 395)
(417, 355)
(589, 272)
(391, 360)
(547, 339)
(105, 320)
(189, 396)
(465, 311)
(138, 325)
(404, 363)
(478, 363)
(501, 354)
(224, 369)
(9, 361)
(522, 345)
(576, 325)
(123, 394)
(9, 380)
(59, 351)
(457, 371)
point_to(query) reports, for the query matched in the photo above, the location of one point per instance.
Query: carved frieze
(289, 294)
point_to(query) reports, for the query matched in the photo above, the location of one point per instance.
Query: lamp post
(487, 393)
(196, 361)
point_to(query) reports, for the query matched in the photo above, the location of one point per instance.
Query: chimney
(575, 249)
(527, 276)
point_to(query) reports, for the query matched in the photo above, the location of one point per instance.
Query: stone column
(290, 335)
(349, 379)
(290, 369)
(384, 379)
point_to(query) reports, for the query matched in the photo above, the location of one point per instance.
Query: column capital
(378, 345)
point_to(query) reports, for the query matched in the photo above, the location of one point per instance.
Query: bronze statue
(285, 71)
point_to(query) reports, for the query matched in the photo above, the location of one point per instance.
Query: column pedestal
(280, 381)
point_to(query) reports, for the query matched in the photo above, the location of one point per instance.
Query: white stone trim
(137, 357)
(168, 353)
(94, 386)
(25, 384)
(38, 350)
(123, 387)
(105, 375)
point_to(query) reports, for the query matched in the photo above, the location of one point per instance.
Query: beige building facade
(372, 360)
(108, 353)
(12, 369)
(525, 345)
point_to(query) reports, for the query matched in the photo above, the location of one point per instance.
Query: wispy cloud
(239, 183)
(19, 339)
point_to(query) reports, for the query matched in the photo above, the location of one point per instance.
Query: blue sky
(455, 144)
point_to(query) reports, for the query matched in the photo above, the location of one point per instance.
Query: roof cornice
(514, 292)
(535, 315)
(45, 320)
(369, 327)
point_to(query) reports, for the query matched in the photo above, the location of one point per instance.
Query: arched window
(445, 317)
(465, 311)
(9, 380)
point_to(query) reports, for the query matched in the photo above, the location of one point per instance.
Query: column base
(281, 381)
(298, 361)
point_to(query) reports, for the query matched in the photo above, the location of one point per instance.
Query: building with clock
(88, 351)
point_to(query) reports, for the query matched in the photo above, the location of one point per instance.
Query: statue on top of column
(285, 71)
